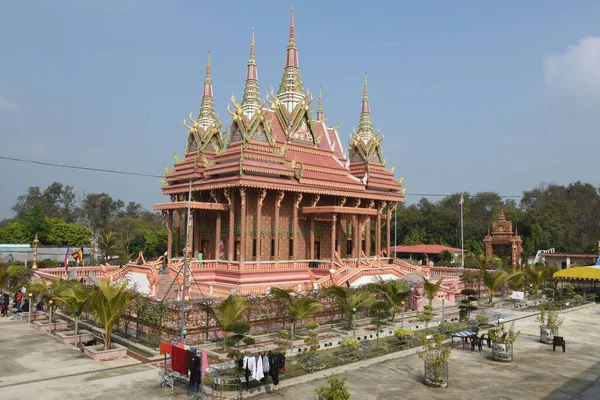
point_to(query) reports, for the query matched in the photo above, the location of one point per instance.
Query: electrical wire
(112, 171)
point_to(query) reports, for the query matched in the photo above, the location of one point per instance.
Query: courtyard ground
(34, 365)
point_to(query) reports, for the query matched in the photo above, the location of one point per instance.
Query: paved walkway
(34, 365)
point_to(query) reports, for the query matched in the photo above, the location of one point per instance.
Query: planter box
(545, 335)
(70, 338)
(35, 316)
(97, 353)
(436, 375)
(502, 352)
(44, 325)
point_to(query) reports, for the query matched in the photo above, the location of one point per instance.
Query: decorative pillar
(355, 237)
(297, 200)
(230, 245)
(380, 207)
(168, 217)
(276, 223)
(196, 232)
(387, 229)
(36, 243)
(368, 236)
(177, 231)
(261, 199)
(243, 230)
(333, 235)
(218, 236)
(311, 238)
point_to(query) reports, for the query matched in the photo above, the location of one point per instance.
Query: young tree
(107, 302)
(336, 389)
(350, 300)
(299, 308)
(393, 292)
(107, 243)
(230, 310)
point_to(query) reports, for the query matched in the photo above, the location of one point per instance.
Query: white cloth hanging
(250, 363)
(265, 361)
(258, 373)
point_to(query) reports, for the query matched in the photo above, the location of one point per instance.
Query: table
(464, 335)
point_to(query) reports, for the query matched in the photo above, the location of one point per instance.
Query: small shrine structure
(502, 234)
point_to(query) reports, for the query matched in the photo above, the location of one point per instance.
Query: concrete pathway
(34, 365)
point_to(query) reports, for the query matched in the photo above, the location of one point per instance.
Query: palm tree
(481, 261)
(298, 308)
(394, 293)
(431, 289)
(535, 277)
(108, 243)
(349, 300)
(229, 311)
(107, 302)
(494, 280)
(74, 298)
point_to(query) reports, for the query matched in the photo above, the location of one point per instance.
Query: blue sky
(470, 95)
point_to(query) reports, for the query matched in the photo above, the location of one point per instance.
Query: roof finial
(208, 68)
(252, 46)
(502, 217)
(292, 36)
(366, 90)
(320, 108)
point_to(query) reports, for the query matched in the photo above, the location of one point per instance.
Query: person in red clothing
(19, 300)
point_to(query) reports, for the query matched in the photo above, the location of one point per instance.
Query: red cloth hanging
(178, 361)
(166, 348)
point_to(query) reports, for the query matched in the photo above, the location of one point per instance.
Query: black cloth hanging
(196, 371)
(273, 369)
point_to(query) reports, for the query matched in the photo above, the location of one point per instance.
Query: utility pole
(185, 262)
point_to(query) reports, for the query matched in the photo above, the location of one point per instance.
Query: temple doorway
(318, 250)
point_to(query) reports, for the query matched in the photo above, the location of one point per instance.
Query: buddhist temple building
(276, 199)
(503, 235)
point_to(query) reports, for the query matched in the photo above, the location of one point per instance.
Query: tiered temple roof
(279, 145)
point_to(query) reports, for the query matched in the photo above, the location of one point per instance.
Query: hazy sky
(470, 95)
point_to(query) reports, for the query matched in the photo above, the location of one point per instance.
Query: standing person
(2, 305)
(25, 307)
(19, 299)
(6, 304)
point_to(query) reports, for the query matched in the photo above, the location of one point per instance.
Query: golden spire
(207, 80)
(292, 36)
(252, 46)
(251, 97)
(320, 107)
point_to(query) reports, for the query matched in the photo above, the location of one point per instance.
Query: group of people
(20, 303)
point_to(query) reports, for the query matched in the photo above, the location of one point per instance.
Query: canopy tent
(587, 273)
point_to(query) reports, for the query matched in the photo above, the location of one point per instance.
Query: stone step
(164, 283)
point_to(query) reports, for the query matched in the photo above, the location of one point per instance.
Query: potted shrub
(467, 305)
(549, 324)
(336, 389)
(404, 335)
(502, 342)
(107, 302)
(435, 356)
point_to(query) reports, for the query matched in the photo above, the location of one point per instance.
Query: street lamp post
(30, 298)
(292, 335)
(354, 322)
(443, 309)
(184, 334)
(403, 314)
(51, 302)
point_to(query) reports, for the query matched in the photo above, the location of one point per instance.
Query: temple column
(168, 217)
(297, 200)
(177, 231)
(196, 233)
(243, 230)
(355, 237)
(333, 235)
(378, 229)
(368, 236)
(218, 236)
(231, 242)
(276, 222)
(387, 229)
(311, 238)
(261, 199)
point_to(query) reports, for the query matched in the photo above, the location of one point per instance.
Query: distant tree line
(55, 215)
(566, 218)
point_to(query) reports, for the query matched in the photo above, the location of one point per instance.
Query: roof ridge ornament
(207, 116)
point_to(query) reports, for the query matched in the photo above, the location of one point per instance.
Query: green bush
(249, 340)
(283, 334)
(235, 353)
(403, 333)
(350, 344)
(336, 389)
(312, 325)
(482, 319)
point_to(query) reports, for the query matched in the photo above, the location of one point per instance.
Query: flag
(66, 263)
(78, 255)
(461, 201)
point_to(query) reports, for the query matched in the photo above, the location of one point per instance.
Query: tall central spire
(207, 116)
(365, 125)
(251, 98)
(320, 107)
(290, 90)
